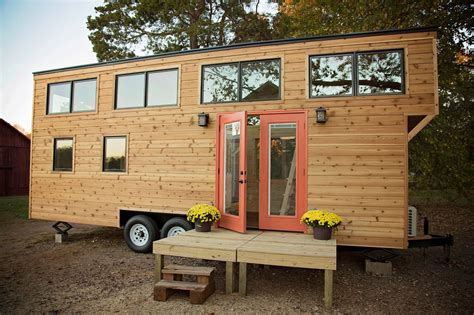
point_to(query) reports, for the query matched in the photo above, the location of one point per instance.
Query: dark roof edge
(14, 129)
(242, 45)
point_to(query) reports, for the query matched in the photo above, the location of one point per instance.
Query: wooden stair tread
(181, 285)
(188, 270)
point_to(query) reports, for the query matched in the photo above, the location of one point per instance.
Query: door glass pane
(253, 167)
(282, 169)
(231, 167)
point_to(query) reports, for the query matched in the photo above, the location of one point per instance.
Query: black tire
(175, 223)
(144, 225)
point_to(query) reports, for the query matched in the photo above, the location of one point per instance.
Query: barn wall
(14, 161)
(357, 161)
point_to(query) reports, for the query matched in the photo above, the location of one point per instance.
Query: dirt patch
(95, 271)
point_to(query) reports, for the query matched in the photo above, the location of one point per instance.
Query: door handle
(242, 181)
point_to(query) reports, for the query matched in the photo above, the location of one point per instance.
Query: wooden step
(181, 285)
(188, 270)
(198, 292)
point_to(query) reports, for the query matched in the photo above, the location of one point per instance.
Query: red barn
(14, 161)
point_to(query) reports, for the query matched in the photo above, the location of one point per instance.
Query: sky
(38, 35)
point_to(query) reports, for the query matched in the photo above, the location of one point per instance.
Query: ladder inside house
(290, 187)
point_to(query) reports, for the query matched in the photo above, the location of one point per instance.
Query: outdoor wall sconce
(321, 116)
(203, 119)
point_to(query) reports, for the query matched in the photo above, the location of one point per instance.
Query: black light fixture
(203, 119)
(321, 116)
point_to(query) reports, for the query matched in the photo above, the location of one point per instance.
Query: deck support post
(229, 277)
(328, 275)
(159, 264)
(243, 278)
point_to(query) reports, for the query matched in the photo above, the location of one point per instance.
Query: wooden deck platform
(256, 247)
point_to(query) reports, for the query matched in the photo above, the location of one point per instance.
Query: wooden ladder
(172, 280)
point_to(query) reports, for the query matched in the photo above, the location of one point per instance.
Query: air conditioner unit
(411, 221)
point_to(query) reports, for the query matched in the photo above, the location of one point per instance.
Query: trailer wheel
(140, 231)
(175, 226)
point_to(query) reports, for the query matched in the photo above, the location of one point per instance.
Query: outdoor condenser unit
(411, 221)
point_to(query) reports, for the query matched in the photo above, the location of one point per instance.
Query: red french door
(283, 183)
(231, 171)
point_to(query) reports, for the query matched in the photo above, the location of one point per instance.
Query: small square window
(115, 154)
(130, 91)
(331, 75)
(162, 89)
(220, 83)
(59, 98)
(380, 72)
(63, 155)
(84, 95)
(260, 80)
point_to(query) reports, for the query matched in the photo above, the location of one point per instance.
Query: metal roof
(242, 45)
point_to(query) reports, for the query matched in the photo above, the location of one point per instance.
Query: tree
(442, 155)
(123, 27)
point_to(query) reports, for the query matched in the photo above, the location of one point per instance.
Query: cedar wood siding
(357, 161)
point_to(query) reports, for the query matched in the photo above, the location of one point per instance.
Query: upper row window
(72, 96)
(375, 73)
(241, 81)
(145, 89)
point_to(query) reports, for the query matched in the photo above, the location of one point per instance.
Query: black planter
(322, 233)
(203, 226)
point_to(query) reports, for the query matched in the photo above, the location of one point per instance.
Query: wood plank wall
(14, 161)
(357, 160)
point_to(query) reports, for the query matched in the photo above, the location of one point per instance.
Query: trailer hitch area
(432, 240)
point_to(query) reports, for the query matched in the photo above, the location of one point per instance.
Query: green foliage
(16, 205)
(441, 156)
(122, 27)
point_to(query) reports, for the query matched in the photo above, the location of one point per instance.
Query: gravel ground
(96, 272)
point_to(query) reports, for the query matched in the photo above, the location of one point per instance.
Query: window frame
(72, 138)
(355, 73)
(145, 98)
(147, 74)
(239, 81)
(310, 73)
(71, 96)
(400, 51)
(104, 139)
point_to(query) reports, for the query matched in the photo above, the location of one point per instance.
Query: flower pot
(322, 233)
(203, 226)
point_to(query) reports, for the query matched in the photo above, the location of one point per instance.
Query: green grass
(15, 205)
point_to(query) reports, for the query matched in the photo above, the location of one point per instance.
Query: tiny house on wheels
(263, 130)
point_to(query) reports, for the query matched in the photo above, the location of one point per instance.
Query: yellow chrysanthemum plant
(203, 215)
(323, 222)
